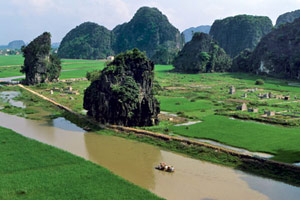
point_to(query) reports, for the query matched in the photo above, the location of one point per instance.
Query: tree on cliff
(123, 93)
(87, 41)
(39, 65)
(234, 34)
(201, 55)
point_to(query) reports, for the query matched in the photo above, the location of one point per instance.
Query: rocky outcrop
(123, 93)
(234, 34)
(87, 41)
(188, 33)
(39, 65)
(277, 54)
(148, 30)
(287, 17)
(201, 55)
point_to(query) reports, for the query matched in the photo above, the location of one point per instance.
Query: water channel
(135, 161)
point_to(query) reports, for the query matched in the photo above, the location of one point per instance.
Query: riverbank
(278, 171)
(32, 170)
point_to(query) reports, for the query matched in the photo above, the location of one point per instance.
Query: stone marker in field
(39, 65)
(123, 93)
(232, 90)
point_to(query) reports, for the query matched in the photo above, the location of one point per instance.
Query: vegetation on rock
(164, 55)
(202, 55)
(39, 65)
(87, 41)
(278, 52)
(123, 93)
(287, 17)
(242, 63)
(148, 31)
(93, 75)
(235, 34)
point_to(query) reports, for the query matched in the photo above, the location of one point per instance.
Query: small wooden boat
(165, 167)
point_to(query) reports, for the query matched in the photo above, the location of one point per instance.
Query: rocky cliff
(234, 34)
(87, 41)
(287, 17)
(39, 65)
(278, 52)
(123, 93)
(201, 55)
(148, 30)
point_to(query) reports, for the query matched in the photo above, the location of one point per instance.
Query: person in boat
(162, 166)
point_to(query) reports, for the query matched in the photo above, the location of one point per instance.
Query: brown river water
(135, 161)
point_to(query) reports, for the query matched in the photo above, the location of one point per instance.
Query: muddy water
(193, 179)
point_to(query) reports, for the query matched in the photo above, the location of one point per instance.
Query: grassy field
(72, 68)
(11, 60)
(32, 170)
(281, 141)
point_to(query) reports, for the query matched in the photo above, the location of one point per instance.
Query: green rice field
(32, 170)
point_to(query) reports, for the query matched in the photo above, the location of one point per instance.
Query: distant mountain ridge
(16, 44)
(188, 33)
(287, 17)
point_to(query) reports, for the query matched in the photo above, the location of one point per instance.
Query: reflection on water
(193, 179)
(8, 96)
(62, 123)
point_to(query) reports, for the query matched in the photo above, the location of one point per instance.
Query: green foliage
(242, 62)
(125, 88)
(259, 82)
(93, 75)
(164, 56)
(234, 34)
(202, 55)
(148, 31)
(87, 41)
(39, 65)
(53, 67)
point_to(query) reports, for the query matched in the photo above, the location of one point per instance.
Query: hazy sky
(26, 19)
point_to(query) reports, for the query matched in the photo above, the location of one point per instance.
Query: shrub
(93, 75)
(259, 82)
